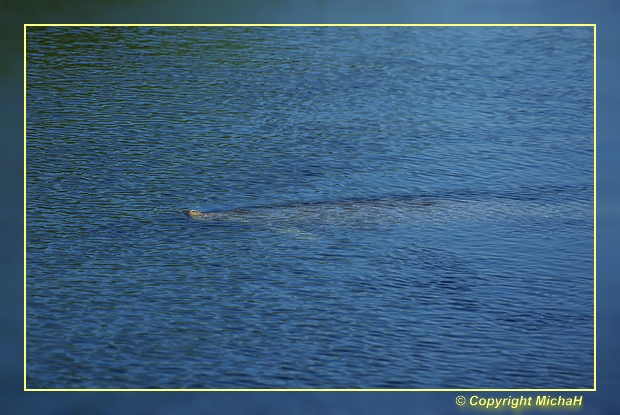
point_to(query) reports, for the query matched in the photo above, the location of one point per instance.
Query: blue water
(420, 207)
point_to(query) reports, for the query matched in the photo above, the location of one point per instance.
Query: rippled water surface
(416, 207)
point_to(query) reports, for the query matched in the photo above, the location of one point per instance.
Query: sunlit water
(417, 207)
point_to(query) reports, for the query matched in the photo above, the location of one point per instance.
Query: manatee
(445, 205)
(196, 214)
(344, 209)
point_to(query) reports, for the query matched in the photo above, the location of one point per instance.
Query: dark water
(421, 207)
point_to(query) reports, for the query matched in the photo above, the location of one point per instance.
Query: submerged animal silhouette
(196, 214)
(347, 205)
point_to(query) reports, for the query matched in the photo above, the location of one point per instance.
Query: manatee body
(195, 214)
(371, 211)
(348, 209)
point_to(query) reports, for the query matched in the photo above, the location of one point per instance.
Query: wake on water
(572, 202)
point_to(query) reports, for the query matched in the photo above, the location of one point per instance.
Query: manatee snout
(193, 213)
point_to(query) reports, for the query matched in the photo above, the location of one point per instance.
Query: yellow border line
(313, 390)
(316, 25)
(326, 389)
(594, 207)
(25, 311)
